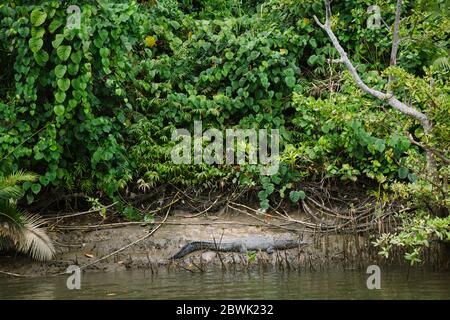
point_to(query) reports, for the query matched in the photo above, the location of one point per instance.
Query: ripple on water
(215, 284)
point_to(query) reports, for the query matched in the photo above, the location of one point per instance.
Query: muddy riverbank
(92, 244)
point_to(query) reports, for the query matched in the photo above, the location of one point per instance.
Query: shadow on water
(214, 284)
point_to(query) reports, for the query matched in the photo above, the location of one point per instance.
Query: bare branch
(395, 38)
(428, 149)
(389, 98)
(319, 23)
(328, 14)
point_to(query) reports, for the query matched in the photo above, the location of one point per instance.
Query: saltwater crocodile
(254, 243)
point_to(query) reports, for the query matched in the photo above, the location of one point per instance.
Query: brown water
(214, 284)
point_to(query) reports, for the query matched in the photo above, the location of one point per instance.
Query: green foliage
(238, 72)
(131, 214)
(416, 233)
(339, 137)
(94, 108)
(63, 103)
(251, 256)
(136, 72)
(18, 230)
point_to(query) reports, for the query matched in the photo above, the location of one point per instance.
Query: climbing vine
(91, 107)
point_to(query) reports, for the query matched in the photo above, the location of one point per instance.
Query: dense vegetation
(92, 109)
(21, 231)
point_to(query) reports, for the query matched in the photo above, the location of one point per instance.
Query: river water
(215, 284)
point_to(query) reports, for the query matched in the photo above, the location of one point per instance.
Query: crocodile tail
(190, 247)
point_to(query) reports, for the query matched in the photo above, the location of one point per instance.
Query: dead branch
(389, 98)
(128, 245)
(395, 37)
(76, 214)
(428, 148)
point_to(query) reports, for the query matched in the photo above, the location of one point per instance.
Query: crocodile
(254, 243)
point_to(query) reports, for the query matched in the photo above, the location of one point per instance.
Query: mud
(84, 247)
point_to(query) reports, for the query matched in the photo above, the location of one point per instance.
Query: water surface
(214, 284)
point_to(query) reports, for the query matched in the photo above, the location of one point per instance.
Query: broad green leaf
(27, 184)
(73, 69)
(174, 24)
(41, 57)
(262, 195)
(288, 72)
(60, 96)
(206, 46)
(72, 103)
(403, 172)
(312, 60)
(264, 81)
(295, 196)
(63, 52)
(412, 177)
(77, 83)
(327, 127)
(77, 94)
(60, 71)
(115, 33)
(63, 84)
(37, 32)
(254, 55)
(35, 44)
(36, 187)
(290, 81)
(59, 110)
(37, 17)
(380, 146)
(229, 55)
(58, 40)
(43, 180)
(106, 63)
(98, 42)
(54, 25)
(76, 57)
(269, 188)
(103, 34)
(24, 31)
(264, 205)
(104, 52)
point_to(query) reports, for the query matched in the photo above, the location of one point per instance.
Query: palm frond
(36, 241)
(11, 192)
(11, 214)
(30, 239)
(5, 243)
(17, 177)
(10, 235)
(24, 232)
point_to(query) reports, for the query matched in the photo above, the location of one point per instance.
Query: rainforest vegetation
(88, 112)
